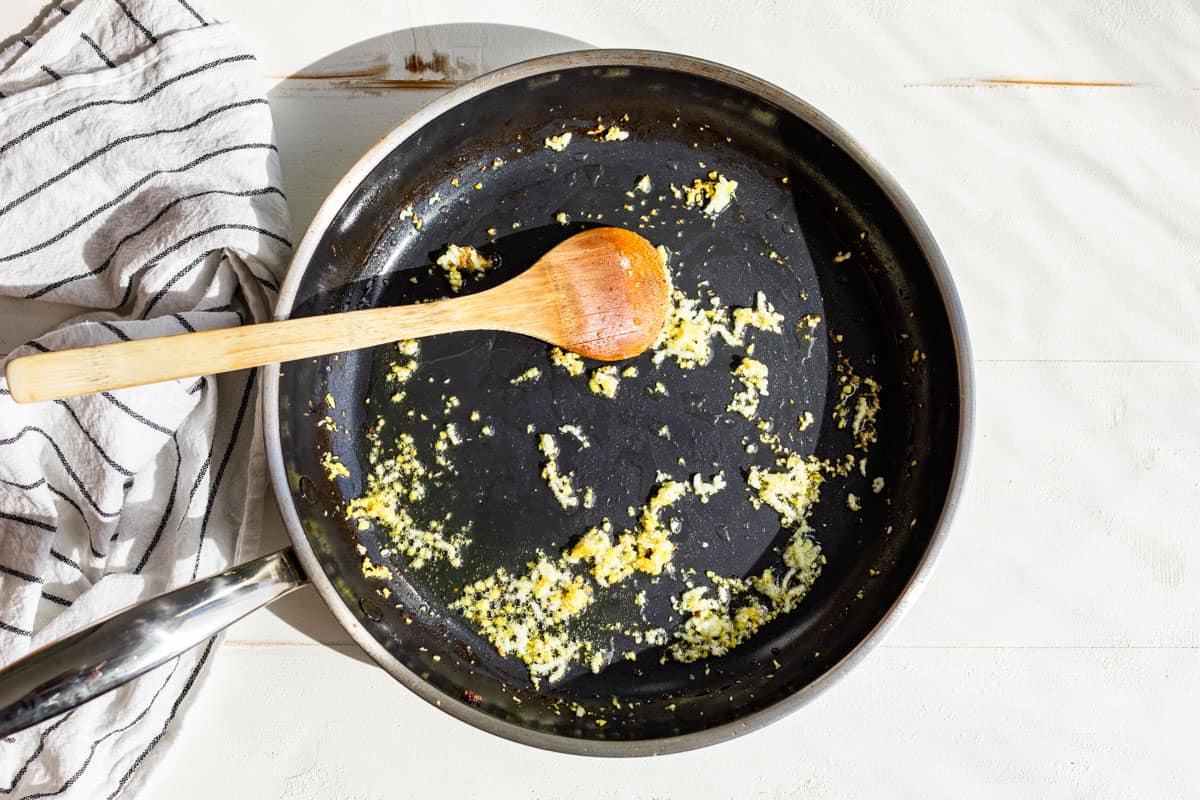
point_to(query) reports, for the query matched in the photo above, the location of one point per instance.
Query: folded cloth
(138, 178)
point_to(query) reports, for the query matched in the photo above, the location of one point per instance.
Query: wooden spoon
(601, 293)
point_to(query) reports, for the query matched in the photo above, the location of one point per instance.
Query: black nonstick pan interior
(801, 197)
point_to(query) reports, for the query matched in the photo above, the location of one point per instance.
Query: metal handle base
(115, 650)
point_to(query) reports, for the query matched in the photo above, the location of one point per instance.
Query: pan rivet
(308, 489)
(370, 609)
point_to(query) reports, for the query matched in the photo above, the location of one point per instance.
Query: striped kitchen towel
(138, 179)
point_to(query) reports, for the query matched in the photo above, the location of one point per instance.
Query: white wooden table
(1054, 149)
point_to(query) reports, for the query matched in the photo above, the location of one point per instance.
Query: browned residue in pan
(995, 83)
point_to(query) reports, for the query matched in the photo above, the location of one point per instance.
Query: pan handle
(115, 650)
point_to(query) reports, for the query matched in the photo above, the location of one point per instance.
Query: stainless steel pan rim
(620, 58)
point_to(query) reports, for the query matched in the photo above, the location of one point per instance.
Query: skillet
(816, 226)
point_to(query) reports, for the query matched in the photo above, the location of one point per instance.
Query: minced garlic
(577, 432)
(462, 258)
(533, 614)
(334, 468)
(375, 571)
(529, 616)
(706, 489)
(571, 363)
(690, 328)
(560, 484)
(605, 381)
(400, 373)
(864, 392)
(648, 548)
(558, 143)
(790, 490)
(525, 616)
(753, 376)
(717, 623)
(531, 374)
(712, 196)
(762, 316)
(604, 133)
(394, 485)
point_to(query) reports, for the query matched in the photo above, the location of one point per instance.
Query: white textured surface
(1055, 650)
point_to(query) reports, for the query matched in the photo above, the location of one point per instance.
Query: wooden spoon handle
(67, 373)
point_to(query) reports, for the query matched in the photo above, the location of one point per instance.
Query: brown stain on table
(444, 72)
(377, 84)
(1034, 83)
(369, 72)
(438, 62)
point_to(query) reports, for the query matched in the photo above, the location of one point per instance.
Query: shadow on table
(332, 111)
(327, 115)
